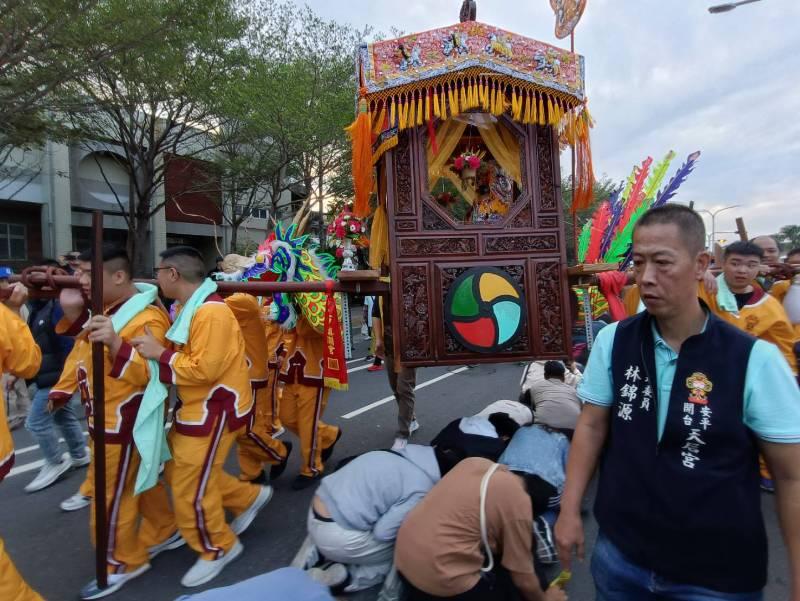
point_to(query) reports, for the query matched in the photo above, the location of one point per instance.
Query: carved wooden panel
(550, 312)
(414, 313)
(425, 247)
(521, 219)
(432, 221)
(494, 245)
(544, 157)
(429, 251)
(403, 169)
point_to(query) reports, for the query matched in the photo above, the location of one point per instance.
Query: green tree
(160, 99)
(603, 188)
(789, 237)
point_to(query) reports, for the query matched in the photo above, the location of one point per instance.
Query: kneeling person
(444, 544)
(357, 511)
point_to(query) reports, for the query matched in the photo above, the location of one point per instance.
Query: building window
(13, 244)
(259, 213)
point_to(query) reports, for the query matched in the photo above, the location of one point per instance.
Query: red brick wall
(190, 184)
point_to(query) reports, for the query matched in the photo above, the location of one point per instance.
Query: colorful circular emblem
(484, 310)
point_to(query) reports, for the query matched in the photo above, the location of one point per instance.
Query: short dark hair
(47, 262)
(188, 261)
(689, 223)
(794, 251)
(112, 253)
(745, 249)
(554, 369)
(503, 424)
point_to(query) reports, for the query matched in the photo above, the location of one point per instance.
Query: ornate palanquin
(477, 264)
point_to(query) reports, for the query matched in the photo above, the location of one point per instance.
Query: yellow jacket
(764, 319)
(249, 316)
(20, 356)
(126, 376)
(210, 372)
(303, 356)
(779, 290)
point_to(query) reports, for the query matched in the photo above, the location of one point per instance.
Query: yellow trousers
(128, 536)
(301, 412)
(201, 490)
(255, 445)
(12, 585)
(272, 402)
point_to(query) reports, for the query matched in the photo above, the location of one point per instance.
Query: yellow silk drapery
(504, 147)
(379, 235)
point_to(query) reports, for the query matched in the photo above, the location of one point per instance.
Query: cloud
(667, 75)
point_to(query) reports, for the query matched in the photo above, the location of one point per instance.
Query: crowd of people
(689, 407)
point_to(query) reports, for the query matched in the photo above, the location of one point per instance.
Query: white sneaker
(173, 542)
(331, 576)
(279, 432)
(75, 502)
(244, 519)
(205, 570)
(413, 426)
(115, 582)
(49, 474)
(400, 444)
(83, 461)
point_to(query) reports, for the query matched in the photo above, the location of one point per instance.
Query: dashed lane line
(388, 399)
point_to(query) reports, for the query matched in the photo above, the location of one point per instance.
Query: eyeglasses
(72, 256)
(157, 269)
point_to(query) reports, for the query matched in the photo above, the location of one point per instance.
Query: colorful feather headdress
(607, 237)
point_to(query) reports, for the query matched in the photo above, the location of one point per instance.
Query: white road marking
(388, 399)
(359, 368)
(24, 450)
(28, 467)
(355, 360)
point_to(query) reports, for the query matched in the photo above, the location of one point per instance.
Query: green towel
(725, 298)
(148, 430)
(179, 332)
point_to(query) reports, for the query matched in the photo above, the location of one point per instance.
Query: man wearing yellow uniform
(209, 367)
(745, 305)
(20, 357)
(304, 400)
(130, 546)
(256, 446)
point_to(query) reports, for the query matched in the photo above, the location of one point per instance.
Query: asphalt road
(52, 548)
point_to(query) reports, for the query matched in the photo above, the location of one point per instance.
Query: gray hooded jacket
(376, 490)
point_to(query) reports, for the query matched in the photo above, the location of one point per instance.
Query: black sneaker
(276, 470)
(326, 453)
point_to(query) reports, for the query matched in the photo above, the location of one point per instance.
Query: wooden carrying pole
(42, 285)
(99, 409)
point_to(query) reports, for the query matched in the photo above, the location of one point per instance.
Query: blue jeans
(41, 424)
(617, 579)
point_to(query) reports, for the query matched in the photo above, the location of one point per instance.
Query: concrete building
(47, 196)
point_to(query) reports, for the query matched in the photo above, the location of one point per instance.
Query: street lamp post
(725, 8)
(713, 215)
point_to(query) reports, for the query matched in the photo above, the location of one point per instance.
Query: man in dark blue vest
(677, 406)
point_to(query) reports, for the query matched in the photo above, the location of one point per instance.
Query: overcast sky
(666, 74)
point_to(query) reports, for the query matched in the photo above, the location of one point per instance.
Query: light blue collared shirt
(771, 394)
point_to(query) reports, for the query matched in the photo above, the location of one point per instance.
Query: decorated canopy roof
(441, 55)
